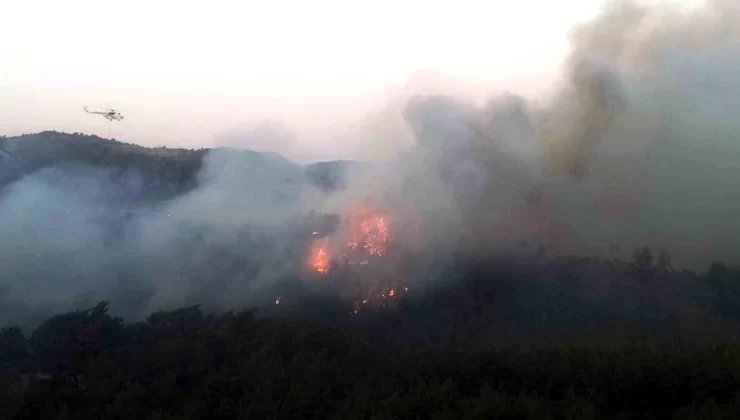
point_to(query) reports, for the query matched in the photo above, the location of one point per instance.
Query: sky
(199, 74)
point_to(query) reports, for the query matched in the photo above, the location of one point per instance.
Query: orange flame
(370, 233)
(365, 232)
(320, 258)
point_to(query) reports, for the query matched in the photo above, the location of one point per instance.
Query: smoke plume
(636, 147)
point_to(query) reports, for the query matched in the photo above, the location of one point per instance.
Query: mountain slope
(165, 172)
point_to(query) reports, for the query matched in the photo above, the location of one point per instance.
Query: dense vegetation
(184, 364)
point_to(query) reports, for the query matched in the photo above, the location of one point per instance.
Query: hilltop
(166, 172)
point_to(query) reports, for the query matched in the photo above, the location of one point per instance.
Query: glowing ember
(379, 300)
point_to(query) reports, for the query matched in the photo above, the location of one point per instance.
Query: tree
(643, 257)
(64, 342)
(13, 348)
(541, 251)
(177, 320)
(664, 260)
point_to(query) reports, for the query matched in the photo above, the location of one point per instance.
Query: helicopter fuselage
(111, 115)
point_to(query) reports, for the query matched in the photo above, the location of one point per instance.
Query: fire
(370, 233)
(360, 249)
(364, 235)
(321, 262)
(320, 258)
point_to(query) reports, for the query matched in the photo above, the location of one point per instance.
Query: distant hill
(166, 172)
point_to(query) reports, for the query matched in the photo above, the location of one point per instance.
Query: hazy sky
(186, 72)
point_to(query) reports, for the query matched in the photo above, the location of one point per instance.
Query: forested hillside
(167, 172)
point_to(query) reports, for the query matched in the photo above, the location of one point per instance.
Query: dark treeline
(474, 348)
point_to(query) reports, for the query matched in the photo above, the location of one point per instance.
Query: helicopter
(109, 114)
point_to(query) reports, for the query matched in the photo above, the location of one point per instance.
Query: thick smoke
(637, 147)
(72, 236)
(647, 123)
